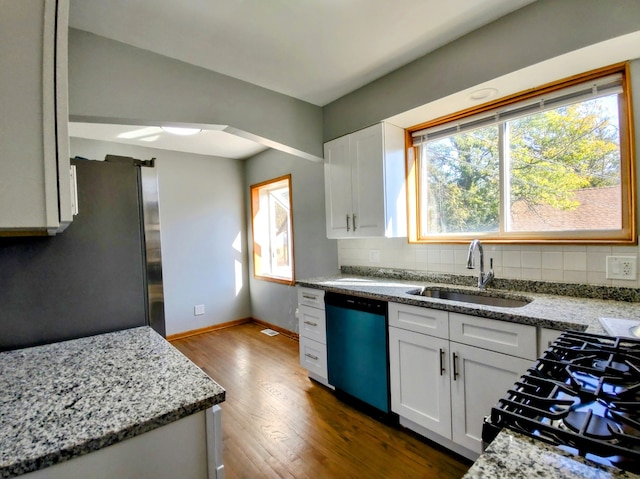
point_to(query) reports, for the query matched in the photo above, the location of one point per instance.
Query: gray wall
(203, 233)
(315, 255)
(111, 82)
(537, 32)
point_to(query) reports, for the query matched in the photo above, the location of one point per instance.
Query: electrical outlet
(374, 255)
(621, 267)
(198, 309)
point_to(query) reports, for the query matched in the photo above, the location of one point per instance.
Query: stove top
(582, 395)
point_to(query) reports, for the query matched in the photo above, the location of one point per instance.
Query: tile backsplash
(555, 263)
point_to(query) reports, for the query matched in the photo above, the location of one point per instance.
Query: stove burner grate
(582, 394)
(591, 425)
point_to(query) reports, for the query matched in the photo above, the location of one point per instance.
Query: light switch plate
(621, 267)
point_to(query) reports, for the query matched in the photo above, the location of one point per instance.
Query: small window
(272, 223)
(553, 165)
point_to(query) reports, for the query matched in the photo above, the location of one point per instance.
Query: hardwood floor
(277, 423)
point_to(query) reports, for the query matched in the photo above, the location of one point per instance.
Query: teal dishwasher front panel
(357, 354)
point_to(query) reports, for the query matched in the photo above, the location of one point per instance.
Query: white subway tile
(531, 259)
(511, 259)
(575, 261)
(552, 275)
(552, 260)
(574, 276)
(597, 262)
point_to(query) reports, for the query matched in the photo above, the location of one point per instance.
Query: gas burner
(591, 425)
(604, 365)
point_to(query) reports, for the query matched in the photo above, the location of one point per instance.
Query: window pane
(565, 168)
(271, 229)
(280, 254)
(459, 187)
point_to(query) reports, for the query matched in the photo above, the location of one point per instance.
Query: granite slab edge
(512, 455)
(100, 426)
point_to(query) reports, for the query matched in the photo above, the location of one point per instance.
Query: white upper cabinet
(36, 185)
(364, 175)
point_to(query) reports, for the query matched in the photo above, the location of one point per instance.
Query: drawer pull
(455, 367)
(311, 323)
(441, 361)
(309, 297)
(315, 358)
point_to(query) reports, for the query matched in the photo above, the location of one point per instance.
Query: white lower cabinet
(313, 333)
(189, 448)
(420, 389)
(443, 389)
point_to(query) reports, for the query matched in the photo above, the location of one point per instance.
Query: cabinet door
(35, 185)
(419, 373)
(482, 378)
(337, 188)
(368, 181)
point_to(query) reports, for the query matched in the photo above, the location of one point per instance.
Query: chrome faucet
(483, 278)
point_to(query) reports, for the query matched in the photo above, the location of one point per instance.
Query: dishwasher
(357, 348)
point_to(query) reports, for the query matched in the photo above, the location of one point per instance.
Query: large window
(272, 222)
(549, 165)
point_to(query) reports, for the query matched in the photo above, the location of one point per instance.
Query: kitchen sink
(475, 297)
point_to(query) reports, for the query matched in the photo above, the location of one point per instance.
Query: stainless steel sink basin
(479, 297)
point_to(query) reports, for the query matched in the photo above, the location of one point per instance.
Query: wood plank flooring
(277, 423)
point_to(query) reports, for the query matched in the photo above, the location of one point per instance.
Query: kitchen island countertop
(66, 399)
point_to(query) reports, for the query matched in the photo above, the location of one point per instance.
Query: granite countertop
(514, 456)
(553, 311)
(70, 398)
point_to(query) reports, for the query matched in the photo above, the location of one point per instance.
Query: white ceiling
(313, 50)
(206, 142)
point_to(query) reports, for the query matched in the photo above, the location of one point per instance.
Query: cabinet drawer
(313, 357)
(311, 297)
(433, 322)
(312, 323)
(500, 336)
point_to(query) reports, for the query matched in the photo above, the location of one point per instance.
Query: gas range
(582, 395)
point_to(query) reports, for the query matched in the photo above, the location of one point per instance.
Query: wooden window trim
(627, 235)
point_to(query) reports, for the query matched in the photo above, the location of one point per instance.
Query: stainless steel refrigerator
(104, 273)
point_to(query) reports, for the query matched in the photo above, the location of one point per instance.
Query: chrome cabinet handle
(310, 297)
(315, 358)
(348, 224)
(455, 367)
(310, 323)
(354, 222)
(441, 361)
